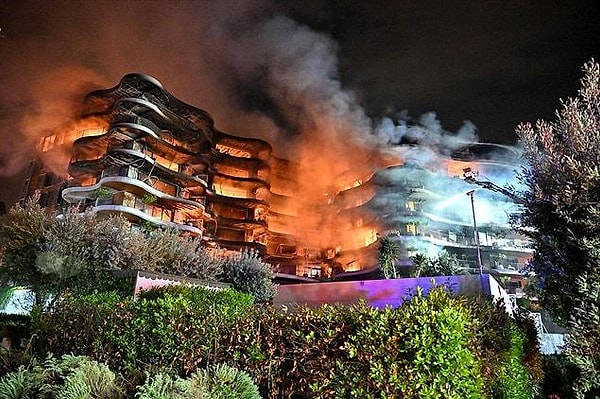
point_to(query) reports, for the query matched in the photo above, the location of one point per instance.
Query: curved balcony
(228, 165)
(137, 85)
(126, 184)
(128, 157)
(191, 136)
(243, 147)
(240, 187)
(162, 142)
(237, 201)
(352, 179)
(355, 197)
(136, 215)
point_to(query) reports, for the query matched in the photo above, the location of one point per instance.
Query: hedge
(434, 346)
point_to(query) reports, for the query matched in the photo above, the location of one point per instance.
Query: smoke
(257, 73)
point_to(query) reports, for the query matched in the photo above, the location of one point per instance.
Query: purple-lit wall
(379, 293)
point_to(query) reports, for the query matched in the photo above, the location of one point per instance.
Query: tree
(50, 252)
(21, 237)
(561, 215)
(444, 264)
(561, 195)
(389, 252)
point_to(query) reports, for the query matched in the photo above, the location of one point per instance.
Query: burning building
(141, 153)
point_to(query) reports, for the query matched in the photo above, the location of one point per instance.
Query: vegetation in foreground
(434, 346)
(561, 215)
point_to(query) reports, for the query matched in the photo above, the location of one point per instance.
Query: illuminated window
(411, 228)
(234, 192)
(48, 142)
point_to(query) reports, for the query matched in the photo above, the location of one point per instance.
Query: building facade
(157, 161)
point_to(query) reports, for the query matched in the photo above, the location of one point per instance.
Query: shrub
(559, 376)
(513, 380)
(444, 264)
(216, 382)
(223, 381)
(419, 350)
(69, 377)
(433, 346)
(174, 327)
(248, 273)
(17, 384)
(164, 386)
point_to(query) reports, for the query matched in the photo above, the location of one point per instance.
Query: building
(140, 152)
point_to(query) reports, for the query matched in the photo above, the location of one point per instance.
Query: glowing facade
(157, 161)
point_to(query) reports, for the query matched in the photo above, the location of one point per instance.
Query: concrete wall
(381, 293)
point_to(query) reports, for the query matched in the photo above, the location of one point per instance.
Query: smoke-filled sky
(305, 71)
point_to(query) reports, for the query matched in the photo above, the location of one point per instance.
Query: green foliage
(52, 253)
(6, 294)
(103, 192)
(433, 346)
(70, 377)
(21, 237)
(164, 386)
(513, 381)
(12, 359)
(248, 273)
(444, 264)
(78, 377)
(559, 376)
(223, 382)
(583, 340)
(561, 212)
(169, 253)
(17, 385)
(174, 327)
(216, 382)
(388, 255)
(425, 352)
(148, 199)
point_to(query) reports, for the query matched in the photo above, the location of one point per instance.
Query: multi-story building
(429, 206)
(156, 160)
(141, 153)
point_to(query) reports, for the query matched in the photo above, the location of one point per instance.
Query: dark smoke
(257, 73)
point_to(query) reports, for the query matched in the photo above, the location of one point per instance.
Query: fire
(55, 149)
(455, 168)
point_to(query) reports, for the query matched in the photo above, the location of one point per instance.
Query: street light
(475, 233)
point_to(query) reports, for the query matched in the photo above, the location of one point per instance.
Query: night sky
(493, 63)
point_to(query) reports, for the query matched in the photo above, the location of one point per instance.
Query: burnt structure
(141, 153)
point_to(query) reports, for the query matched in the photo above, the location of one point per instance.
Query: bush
(509, 353)
(65, 378)
(223, 381)
(433, 346)
(513, 381)
(559, 376)
(248, 273)
(173, 327)
(164, 386)
(421, 350)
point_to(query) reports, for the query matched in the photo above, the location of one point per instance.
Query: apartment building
(141, 153)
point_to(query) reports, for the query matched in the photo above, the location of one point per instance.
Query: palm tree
(389, 251)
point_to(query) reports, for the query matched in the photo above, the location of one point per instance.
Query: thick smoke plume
(257, 73)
